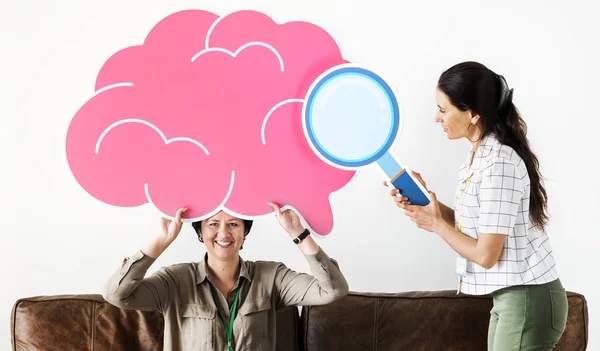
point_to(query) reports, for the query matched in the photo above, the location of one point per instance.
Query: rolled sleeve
(500, 197)
(325, 285)
(127, 287)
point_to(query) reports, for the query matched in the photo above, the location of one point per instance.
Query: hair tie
(506, 94)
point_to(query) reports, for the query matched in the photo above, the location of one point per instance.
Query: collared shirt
(496, 201)
(184, 294)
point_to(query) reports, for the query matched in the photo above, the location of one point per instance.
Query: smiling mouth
(224, 244)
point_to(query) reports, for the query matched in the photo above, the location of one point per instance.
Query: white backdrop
(57, 239)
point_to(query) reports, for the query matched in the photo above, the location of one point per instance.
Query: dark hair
(198, 228)
(472, 86)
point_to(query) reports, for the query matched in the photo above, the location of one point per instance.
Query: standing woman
(499, 215)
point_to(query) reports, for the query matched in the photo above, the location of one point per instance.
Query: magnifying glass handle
(401, 178)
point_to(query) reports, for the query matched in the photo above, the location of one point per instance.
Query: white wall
(57, 239)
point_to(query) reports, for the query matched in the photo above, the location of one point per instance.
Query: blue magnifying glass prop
(351, 118)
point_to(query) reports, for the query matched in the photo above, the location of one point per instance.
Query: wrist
(158, 245)
(293, 233)
(307, 245)
(163, 241)
(300, 238)
(438, 225)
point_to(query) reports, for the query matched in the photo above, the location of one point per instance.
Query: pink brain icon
(207, 114)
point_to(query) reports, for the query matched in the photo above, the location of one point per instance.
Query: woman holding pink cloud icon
(223, 302)
(497, 224)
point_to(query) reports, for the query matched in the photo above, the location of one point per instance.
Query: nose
(438, 118)
(222, 229)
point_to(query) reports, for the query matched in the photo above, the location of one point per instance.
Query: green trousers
(528, 317)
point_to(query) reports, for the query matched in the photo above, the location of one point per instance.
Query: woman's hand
(426, 217)
(170, 228)
(288, 220)
(402, 200)
(168, 233)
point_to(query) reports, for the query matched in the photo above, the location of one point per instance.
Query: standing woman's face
(454, 121)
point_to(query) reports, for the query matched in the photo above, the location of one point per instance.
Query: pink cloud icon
(207, 114)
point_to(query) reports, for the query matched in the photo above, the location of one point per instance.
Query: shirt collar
(202, 272)
(485, 148)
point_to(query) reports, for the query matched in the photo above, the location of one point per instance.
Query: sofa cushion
(437, 320)
(88, 322)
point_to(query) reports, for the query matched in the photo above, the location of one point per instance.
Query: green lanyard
(229, 328)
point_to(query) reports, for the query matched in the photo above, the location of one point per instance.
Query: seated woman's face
(223, 235)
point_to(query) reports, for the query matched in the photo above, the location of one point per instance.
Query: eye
(442, 111)
(233, 224)
(213, 224)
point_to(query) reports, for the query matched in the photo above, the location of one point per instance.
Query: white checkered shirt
(496, 201)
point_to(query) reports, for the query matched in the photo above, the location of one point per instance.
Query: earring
(476, 125)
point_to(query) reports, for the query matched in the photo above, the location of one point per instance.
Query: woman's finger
(414, 208)
(179, 214)
(417, 175)
(275, 208)
(419, 178)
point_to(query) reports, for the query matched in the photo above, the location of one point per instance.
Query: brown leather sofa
(439, 320)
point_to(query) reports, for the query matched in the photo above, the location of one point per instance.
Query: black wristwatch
(301, 237)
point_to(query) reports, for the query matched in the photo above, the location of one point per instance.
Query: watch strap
(301, 237)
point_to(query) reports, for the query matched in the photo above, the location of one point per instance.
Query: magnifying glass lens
(351, 117)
